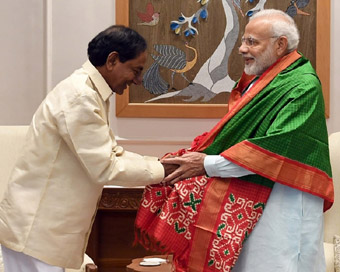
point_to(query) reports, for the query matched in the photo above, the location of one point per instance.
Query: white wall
(44, 41)
(22, 55)
(333, 122)
(72, 24)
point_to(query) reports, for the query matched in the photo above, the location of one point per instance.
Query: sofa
(11, 141)
(332, 216)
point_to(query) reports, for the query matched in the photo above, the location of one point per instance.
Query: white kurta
(289, 234)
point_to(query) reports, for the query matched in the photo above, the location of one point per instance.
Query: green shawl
(280, 133)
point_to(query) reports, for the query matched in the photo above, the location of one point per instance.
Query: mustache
(246, 55)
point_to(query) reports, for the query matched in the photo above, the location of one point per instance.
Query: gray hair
(281, 27)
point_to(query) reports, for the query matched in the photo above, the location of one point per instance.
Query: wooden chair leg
(91, 268)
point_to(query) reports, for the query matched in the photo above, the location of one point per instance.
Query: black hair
(125, 41)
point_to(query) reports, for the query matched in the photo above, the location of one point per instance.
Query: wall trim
(48, 45)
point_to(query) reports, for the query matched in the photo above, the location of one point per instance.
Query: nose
(138, 80)
(243, 48)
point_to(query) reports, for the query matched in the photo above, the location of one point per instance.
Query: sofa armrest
(87, 266)
(329, 256)
(91, 268)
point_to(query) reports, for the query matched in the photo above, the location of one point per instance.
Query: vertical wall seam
(48, 46)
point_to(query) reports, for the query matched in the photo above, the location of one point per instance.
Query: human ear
(282, 45)
(112, 59)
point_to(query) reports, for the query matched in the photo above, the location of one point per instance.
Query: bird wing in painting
(149, 17)
(295, 6)
(169, 56)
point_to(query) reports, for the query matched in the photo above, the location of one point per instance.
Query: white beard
(261, 63)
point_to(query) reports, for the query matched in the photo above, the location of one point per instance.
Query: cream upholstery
(11, 141)
(332, 217)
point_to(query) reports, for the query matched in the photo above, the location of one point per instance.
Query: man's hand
(169, 168)
(189, 165)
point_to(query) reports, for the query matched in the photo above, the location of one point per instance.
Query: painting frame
(124, 108)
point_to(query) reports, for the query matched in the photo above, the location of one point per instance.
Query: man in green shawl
(274, 137)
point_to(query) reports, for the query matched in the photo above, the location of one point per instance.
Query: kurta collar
(97, 79)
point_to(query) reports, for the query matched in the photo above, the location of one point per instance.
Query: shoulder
(300, 76)
(74, 93)
(70, 90)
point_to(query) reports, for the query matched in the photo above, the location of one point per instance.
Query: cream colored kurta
(69, 155)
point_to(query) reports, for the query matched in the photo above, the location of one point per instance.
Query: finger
(164, 183)
(171, 160)
(170, 177)
(176, 180)
(175, 174)
(169, 155)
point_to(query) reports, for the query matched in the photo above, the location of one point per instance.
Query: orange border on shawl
(261, 83)
(204, 227)
(282, 170)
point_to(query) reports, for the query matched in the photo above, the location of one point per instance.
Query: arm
(198, 164)
(85, 130)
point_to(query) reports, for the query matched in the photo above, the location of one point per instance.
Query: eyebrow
(140, 68)
(249, 36)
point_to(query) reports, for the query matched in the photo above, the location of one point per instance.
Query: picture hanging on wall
(193, 60)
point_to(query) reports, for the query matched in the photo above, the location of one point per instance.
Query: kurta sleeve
(217, 166)
(87, 133)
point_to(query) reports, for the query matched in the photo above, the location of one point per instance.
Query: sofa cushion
(332, 216)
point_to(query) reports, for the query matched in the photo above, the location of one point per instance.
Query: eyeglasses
(251, 42)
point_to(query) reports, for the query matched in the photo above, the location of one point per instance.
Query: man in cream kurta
(70, 154)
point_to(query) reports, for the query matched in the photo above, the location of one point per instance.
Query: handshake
(177, 168)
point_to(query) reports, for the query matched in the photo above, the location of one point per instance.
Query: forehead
(258, 27)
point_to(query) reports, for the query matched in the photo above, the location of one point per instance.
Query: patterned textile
(204, 221)
(201, 214)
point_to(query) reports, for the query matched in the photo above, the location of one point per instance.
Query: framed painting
(193, 59)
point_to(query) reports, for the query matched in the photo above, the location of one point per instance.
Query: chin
(248, 71)
(119, 92)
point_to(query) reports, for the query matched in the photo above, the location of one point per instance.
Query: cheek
(255, 53)
(125, 74)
